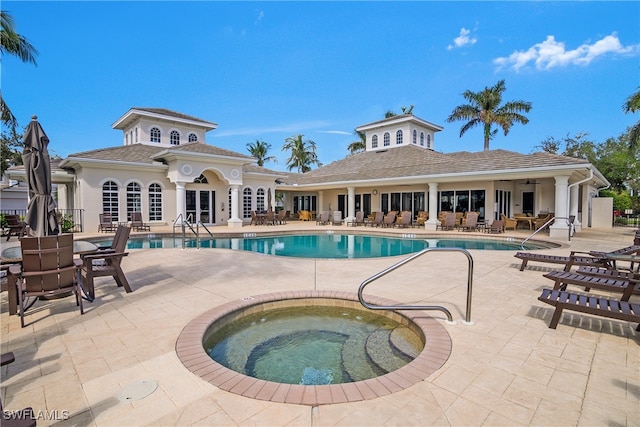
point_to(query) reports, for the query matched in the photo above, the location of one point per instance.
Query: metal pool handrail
(421, 307)
(183, 224)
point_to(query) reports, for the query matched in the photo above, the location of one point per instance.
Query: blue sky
(270, 70)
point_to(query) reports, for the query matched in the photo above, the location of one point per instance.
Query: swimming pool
(328, 245)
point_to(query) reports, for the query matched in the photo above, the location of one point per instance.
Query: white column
(63, 201)
(573, 206)
(351, 205)
(560, 229)
(181, 200)
(234, 221)
(432, 222)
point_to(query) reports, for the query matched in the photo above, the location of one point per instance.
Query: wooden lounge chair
(281, 218)
(48, 269)
(389, 219)
(137, 224)
(497, 226)
(106, 223)
(106, 262)
(377, 220)
(336, 219)
(21, 418)
(323, 218)
(470, 223)
(561, 300)
(620, 282)
(449, 222)
(567, 261)
(15, 227)
(404, 220)
(358, 220)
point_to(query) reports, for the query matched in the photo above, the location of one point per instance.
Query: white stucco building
(165, 169)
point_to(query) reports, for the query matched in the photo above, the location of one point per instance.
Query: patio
(508, 368)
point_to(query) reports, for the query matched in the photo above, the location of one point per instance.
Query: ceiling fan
(530, 182)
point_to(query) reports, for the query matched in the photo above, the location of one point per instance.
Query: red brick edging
(191, 353)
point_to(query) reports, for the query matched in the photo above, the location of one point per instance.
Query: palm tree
(16, 45)
(485, 109)
(632, 105)
(358, 146)
(259, 150)
(303, 153)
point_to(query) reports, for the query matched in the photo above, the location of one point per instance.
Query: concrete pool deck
(507, 368)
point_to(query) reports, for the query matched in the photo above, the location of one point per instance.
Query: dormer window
(387, 139)
(374, 141)
(415, 136)
(155, 135)
(428, 141)
(193, 137)
(422, 139)
(399, 137)
(174, 137)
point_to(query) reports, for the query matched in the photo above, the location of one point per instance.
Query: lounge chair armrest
(105, 256)
(15, 269)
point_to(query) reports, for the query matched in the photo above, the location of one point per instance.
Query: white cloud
(336, 132)
(551, 53)
(463, 39)
(300, 127)
(259, 16)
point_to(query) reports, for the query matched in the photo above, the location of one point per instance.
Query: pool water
(313, 345)
(334, 246)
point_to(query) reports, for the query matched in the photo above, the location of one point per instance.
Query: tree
(303, 153)
(484, 109)
(632, 105)
(259, 150)
(358, 146)
(10, 153)
(14, 44)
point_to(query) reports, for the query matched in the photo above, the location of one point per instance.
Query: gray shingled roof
(166, 112)
(142, 153)
(408, 161)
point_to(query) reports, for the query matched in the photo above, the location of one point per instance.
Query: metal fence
(626, 221)
(69, 220)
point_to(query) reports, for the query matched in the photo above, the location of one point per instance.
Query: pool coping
(191, 352)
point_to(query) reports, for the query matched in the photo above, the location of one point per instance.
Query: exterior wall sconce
(222, 206)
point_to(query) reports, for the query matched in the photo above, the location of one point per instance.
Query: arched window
(415, 137)
(134, 199)
(201, 179)
(374, 141)
(110, 199)
(428, 141)
(136, 134)
(387, 139)
(246, 202)
(422, 139)
(126, 139)
(399, 137)
(155, 202)
(174, 137)
(155, 134)
(260, 200)
(193, 137)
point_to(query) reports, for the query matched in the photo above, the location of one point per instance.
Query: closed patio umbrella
(41, 210)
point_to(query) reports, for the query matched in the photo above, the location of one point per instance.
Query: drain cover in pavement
(137, 391)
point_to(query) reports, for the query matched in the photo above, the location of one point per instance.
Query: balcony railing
(69, 220)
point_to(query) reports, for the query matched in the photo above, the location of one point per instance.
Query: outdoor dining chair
(107, 262)
(48, 269)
